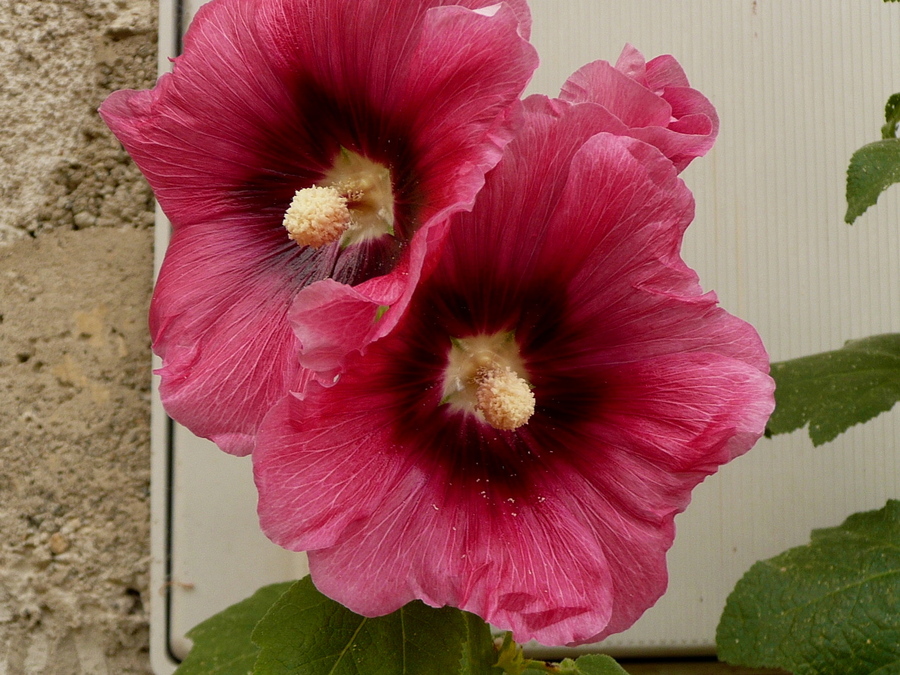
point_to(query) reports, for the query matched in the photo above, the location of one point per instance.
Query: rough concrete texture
(75, 278)
(59, 166)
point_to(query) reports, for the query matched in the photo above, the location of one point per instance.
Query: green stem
(513, 662)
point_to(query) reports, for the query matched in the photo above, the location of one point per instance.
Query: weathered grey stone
(75, 279)
(74, 439)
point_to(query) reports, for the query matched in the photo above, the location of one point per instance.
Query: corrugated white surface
(798, 85)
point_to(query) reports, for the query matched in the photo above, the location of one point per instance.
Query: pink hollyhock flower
(519, 445)
(308, 154)
(652, 102)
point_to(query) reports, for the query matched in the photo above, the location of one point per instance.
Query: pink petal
(308, 466)
(519, 7)
(215, 126)
(552, 133)
(663, 72)
(599, 82)
(632, 250)
(218, 320)
(653, 100)
(623, 204)
(632, 64)
(668, 422)
(451, 76)
(531, 569)
(329, 320)
(405, 532)
(691, 135)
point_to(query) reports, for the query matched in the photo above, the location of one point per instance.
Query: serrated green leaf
(834, 390)
(873, 168)
(831, 607)
(306, 633)
(891, 116)
(222, 644)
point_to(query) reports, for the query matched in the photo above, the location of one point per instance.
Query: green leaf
(834, 390)
(222, 644)
(478, 653)
(831, 607)
(306, 633)
(873, 169)
(891, 115)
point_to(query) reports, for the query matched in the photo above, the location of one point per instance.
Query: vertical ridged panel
(798, 87)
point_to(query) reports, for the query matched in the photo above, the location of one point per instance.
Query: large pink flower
(519, 445)
(357, 126)
(652, 101)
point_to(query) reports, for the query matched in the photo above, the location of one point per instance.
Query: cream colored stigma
(353, 202)
(485, 376)
(317, 216)
(504, 399)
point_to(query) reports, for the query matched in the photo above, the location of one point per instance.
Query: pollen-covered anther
(317, 216)
(503, 398)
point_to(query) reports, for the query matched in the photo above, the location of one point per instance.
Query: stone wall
(75, 278)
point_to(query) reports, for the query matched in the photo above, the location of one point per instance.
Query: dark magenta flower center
(454, 438)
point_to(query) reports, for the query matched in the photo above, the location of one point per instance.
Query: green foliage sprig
(831, 607)
(835, 390)
(292, 629)
(876, 166)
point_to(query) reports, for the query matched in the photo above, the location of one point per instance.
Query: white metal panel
(799, 86)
